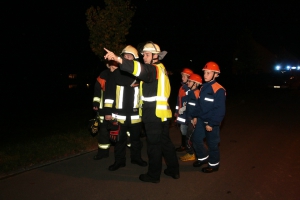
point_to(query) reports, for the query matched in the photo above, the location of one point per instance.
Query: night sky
(41, 37)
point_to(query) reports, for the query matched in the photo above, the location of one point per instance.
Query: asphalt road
(260, 159)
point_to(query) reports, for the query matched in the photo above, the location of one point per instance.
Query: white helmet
(130, 49)
(151, 47)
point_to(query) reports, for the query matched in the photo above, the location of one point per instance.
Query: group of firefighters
(130, 93)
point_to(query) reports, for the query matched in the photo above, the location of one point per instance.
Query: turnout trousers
(159, 146)
(136, 144)
(103, 138)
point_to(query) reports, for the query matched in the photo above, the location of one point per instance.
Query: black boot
(116, 166)
(147, 178)
(102, 153)
(139, 162)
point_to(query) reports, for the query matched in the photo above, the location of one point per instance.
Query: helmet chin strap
(154, 59)
(213, 77)
(192, 85)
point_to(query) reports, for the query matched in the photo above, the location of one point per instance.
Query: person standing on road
(121, 105)
(194, 83)
(180, 115)
(154, 108)
(208, 115)
(98, 99)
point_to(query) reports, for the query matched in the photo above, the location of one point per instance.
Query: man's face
(128, 56)
(147, 57)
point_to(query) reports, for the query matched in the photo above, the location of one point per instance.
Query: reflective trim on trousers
(202, 159)
(216, 164)
(103, 146)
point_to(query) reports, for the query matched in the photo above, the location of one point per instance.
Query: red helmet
(196, 78)
(187, 71)
(212, 66)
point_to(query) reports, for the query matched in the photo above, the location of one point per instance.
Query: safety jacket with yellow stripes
(154, 89)
(122, 97)
(99, 89)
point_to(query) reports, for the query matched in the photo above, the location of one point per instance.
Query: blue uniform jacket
(211, 105)
(192, 98)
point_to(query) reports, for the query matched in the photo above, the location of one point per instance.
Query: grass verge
(40, 140)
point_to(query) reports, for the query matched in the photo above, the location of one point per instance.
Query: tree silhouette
(109, 26)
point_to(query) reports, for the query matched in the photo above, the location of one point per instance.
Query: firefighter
(208, 115)
(194, 83)
(121, 105)
(154, 108)
(103, 135)
(180, 118)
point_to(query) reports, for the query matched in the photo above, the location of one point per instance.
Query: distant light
(277, 67)
(88, 85)
(236, 59)
(72, 86)
(288, 67)
(293, 67)
(191, 60)
(72, 76)
(298, 68)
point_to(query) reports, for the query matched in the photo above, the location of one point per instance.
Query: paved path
(260, 159)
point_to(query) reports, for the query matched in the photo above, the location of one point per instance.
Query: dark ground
(259, 160)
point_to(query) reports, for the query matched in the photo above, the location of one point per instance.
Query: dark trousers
(212, 154)
(136, 144)
(159, 145)
(103, 136)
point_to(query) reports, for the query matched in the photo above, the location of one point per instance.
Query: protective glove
(114, 128)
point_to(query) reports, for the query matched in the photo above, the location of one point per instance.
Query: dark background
(43, 42)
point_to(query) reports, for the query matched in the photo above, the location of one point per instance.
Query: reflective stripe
(103, 146)
(101, 118)
(155, 98)
(109, 101)
(121, 96)
(136, 68)
(136, 97)
(135, 117)
(128, 133)
(192, 104)
(96, 99)
(180, 119)
(213, 164)
(101, 101)
(201, 159)
(208, 99)
(162, 107)
(122, 117)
